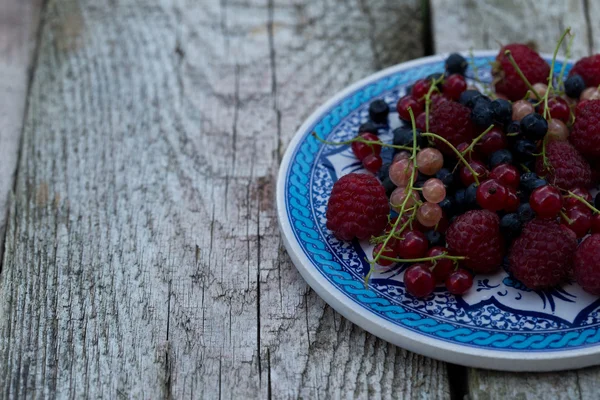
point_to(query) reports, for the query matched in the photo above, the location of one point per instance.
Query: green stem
(564, 216)
(584, 201)
(361, 140)
(443, 256)
(428, 99)
(564, 66)
(477, 139)
(458, 153)
(551, 76)
(520, 73)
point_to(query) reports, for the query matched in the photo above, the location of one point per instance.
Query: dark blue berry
(537, 183)
(436, 75)
(482, 114)
(370, 127)
(435, 238)
(388, 185)
(459, 201)
(404, 137)
(456, 64)
(597, 201)
(482, 99)
(378, 111)
(468, 97)
(574, 85)
(534, 126)
(503, 156)
(525, 213)
(446, 177)
(524, 149)
(527, 178)
(511, 225)
(471, 196)
(502, 111)
(512, 128)
(447, 206)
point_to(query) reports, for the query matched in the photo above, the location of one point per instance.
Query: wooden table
(140, 145)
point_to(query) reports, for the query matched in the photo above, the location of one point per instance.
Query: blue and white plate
(499, 324)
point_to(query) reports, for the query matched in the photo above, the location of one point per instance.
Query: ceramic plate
(499, 324)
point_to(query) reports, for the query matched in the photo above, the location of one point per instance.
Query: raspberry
(476, 235)
(452, 121)
(568, 168)
(508, 82)
(542, 256)
(585, 135)
(357, 207)
(586, 267)
(589, 69)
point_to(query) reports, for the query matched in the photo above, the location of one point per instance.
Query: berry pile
(480, 176)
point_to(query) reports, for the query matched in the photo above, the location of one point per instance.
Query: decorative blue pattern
(491, 323)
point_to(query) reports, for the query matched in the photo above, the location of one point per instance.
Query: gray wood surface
(18, 32)
(143, 257)
(464, 24)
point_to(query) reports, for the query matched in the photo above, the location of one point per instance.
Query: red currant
(372, 163)
(493, 141)
(388, 252)
(421, 122)
(455, 84)
(437, 99)
(512, 201)
(408, 102)
(459, 282)
(361, 149)
(492, 195)
(470, 155)
(507, 175)
(413, 244)
(573, 202)
(420, 89)
(559, 109)
(595, 223)
(443, 267)
(466, 177)
(581, 220)
(419, 280)
(546, 201)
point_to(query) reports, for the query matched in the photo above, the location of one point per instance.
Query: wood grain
(19, 20)
(464, 24)
(459, 25)
(143, 257)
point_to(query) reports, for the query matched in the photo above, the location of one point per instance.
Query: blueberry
(446, 177)
(503, 156)
(467, 97)
(597, 201)
(482, 114)
(525, 213)
(459, 200)
(435, 238)
(534, 126)
(370, 127)
(574, 85)
(502, 111)
(527, 178)
(537, 183)
(384, 171)
(512, 128)
(471, 196)
(511, 225)
(378, 111)
(388, 185)
(436, 75)
(404, 137)
(456, 64)
(524, 149)
(447, 206)
(482, 99)
(528, 165)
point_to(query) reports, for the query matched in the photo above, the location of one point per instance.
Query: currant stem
(458, 153)
(584, 201)
(443, 256)
(361, 140)
(551, 76)
(564, 216)
(428, 100)
(564, 66)
(477, 139)
(511, 59)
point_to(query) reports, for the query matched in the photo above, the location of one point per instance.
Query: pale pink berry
(429, 214)
(521, 108)
(430, 161)
(557, 130)
(590, 93)
(540, 88)
(434, 190)
(401, 155)
(398, 196)
(400, 172)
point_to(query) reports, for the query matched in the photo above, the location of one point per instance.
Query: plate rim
(380, 327)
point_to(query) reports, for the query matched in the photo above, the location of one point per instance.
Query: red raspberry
(357, 207)
(586, 267)
(568, 168)
(476, 235)
(508, 82)
(452, 121)
(542, 256)
(585, 134)
(589, 69)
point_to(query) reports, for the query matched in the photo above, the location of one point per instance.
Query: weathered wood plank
(143, 255)
(468, 24)
(19, 20)
(464, 24)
